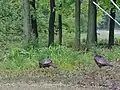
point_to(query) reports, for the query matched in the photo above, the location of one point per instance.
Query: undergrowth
(65, 58)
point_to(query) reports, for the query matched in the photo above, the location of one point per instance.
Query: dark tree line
(30, 23)
(77, 23)
(33, 20)
(92, 33)
(60, 25)
(112, 25)
(51, 22)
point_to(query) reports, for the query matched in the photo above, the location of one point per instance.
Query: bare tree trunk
(77, 24)
(34, 21)
(95, 20)
(112, 25)
(51, 23)
(91, 33)
(60, 25)
(27, 24)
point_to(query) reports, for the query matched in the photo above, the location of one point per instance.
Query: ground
(59, 86)
(107, 78)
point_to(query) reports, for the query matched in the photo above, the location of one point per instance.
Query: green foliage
(105, 4)
(65, 58)
(13, 55)
(11, 21)
(117, 2)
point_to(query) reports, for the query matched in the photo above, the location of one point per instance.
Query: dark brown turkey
(101, 61)
(46, 62)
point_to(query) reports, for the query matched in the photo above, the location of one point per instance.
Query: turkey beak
(53, 65)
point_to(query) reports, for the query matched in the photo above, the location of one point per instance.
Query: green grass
(14, 56)
(65, 58)
(19, 58)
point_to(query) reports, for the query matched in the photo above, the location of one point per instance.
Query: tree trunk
(95, 20)
(91, 33)
(34, 21)
(77, 24)
(60, 25)
(27, 24)
(112, 25)
(51, 23)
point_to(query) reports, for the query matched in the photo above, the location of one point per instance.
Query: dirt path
(49, 79)
(60, 86)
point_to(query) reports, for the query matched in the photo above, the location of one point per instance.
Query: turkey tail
(53, 65)
(110, 65)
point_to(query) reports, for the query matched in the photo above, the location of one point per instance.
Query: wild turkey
(46, 62)
(101, 61)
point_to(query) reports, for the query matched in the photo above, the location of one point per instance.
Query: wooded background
(60, 22)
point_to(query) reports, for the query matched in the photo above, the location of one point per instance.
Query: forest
(68, 41)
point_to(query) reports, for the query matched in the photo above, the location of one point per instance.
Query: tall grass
(19, 58)
(65, 58)
(14, 56)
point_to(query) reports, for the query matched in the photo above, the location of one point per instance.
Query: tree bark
(112, 25)
(51, 23)
(95, 20)
(77, 24)
(34, 21)
(60, 25)
(92, 32)
(27, 24)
